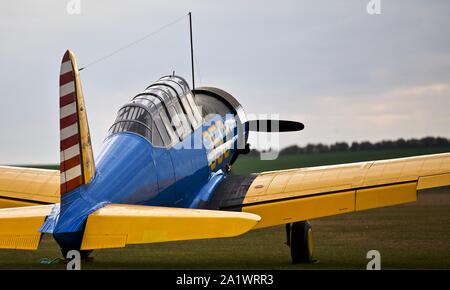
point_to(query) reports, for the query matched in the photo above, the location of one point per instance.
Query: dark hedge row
(426, 142)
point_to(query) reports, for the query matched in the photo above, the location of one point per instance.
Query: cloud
(345, 74)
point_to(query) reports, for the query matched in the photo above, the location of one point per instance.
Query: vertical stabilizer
(76, 162)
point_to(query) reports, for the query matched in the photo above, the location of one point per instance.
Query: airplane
(163, 175)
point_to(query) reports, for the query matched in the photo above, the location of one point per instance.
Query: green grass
(412, 236)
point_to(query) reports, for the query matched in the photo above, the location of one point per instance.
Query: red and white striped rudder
(76, 160)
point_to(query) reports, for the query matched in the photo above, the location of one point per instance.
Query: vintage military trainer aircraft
(163, 175)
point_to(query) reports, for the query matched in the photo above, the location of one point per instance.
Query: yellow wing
(28, 186)
(286, 196)
(118, 225)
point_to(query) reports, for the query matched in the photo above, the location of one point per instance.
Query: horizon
(254, 150)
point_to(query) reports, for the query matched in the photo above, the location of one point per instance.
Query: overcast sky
(347, 75)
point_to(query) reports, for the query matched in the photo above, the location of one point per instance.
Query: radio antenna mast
(192, 50)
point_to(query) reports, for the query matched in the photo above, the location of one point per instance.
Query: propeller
(268, 126)
(274, 126)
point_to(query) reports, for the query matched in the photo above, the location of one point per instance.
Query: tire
(302, 243)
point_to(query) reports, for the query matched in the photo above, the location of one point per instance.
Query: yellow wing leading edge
(286, 196)
(118, 225)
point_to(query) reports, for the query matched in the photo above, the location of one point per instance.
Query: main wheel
(301, 242)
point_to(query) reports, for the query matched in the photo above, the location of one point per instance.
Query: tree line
(426, 142)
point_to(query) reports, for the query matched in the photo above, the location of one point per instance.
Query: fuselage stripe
(69, 131)
(69, 142)
(68, 110)
(66, 57)
(70, 163)
(67, 89)
(67, 121)
(70, 174)
(66, 78)
(66, 67)
(70, 152)
(67, 99)
(71, 184)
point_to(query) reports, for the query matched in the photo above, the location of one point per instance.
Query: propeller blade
(274, 126)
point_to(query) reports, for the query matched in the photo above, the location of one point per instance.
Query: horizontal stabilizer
(19, 227)
(118, 225)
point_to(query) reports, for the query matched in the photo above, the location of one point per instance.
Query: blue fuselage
(130, 170)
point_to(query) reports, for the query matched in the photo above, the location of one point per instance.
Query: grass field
(411, 236)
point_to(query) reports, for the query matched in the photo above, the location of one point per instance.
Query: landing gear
(300, 240)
